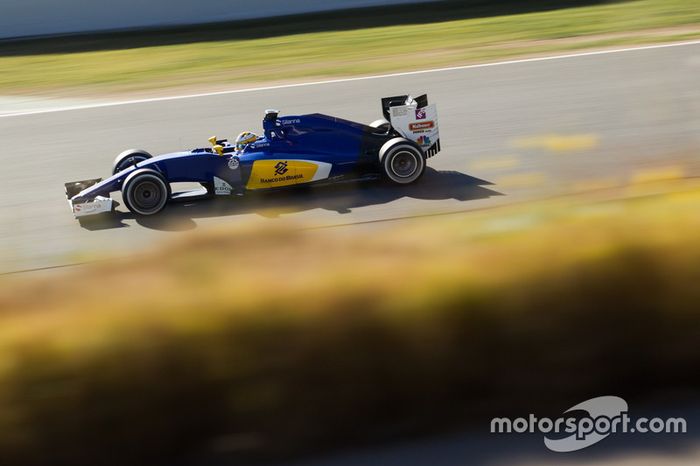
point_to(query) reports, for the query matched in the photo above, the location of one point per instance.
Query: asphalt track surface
(510, 133)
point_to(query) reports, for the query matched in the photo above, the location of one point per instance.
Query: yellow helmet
(245, 138)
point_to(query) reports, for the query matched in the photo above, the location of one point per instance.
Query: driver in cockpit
(271, 126)
(245, 138)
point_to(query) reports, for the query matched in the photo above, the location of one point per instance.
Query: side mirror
(217, 148)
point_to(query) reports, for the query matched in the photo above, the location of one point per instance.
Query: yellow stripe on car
(274, 173)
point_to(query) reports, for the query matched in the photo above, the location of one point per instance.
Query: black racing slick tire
(128, 158)
(402, 161)
(145, 192)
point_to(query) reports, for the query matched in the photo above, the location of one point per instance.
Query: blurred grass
(247, 343)
(207, 61)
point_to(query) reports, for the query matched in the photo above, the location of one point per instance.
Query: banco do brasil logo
(281, 168)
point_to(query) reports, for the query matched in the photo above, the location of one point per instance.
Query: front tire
(145, 192)
(128, 158)
(402, 162)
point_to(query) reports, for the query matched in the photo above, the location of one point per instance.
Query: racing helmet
(245, 138)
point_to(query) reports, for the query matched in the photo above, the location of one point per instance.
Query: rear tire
(129, 158)
(145, 192)
(402, 162)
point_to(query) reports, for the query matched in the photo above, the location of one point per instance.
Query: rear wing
(415, 120)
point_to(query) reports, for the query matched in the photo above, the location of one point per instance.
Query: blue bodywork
(351, 149)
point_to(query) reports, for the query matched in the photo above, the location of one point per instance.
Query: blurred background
(549, 254)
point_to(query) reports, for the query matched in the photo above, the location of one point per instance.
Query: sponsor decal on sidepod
(273, 173)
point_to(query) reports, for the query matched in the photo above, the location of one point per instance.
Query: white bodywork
(419, 125)
(96, 206)
(221, 187)
(323, 171)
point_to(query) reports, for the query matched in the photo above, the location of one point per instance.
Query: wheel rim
(147, 196)
(404, 164)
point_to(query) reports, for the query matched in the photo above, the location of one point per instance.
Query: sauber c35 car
(295, 150)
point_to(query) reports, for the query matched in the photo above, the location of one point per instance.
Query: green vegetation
(249, 343)
(221, 55)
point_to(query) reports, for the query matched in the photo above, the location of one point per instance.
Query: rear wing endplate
(415, 120)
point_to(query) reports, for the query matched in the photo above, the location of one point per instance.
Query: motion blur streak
(260, 343)
(344, 80)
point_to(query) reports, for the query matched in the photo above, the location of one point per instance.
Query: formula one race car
(295, 150)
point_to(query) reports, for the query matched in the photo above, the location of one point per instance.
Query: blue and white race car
(295, 150)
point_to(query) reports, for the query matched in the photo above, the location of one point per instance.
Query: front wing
(83, 208)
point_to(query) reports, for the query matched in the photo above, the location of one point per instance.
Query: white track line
(345, 80)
